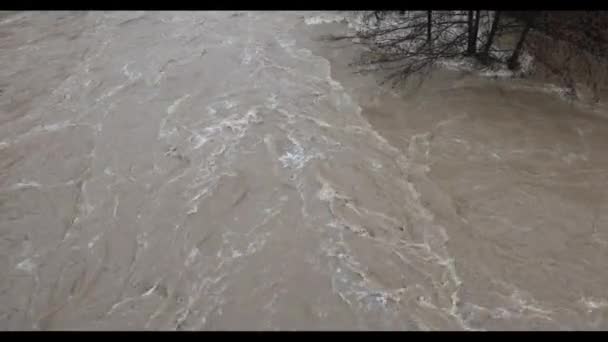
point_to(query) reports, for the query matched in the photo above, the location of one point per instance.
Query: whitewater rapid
(209, 170)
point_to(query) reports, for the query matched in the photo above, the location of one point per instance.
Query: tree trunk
(377, 15)
(471, 35)
(513, 62)
(493, 29)
(429, 26)
(476, 30)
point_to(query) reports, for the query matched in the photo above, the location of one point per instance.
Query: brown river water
(229, 171)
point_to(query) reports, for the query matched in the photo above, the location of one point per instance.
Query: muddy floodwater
(228, 171)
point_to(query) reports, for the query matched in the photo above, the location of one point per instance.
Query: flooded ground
(226, 170)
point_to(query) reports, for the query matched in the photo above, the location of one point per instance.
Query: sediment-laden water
(226, 170)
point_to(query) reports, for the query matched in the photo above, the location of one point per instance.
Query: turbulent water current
(227, 170)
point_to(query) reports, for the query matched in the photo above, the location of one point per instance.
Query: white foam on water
(173, 107)
(501, 73)
(25, 184)
(327, 193)
(297, 156)
(526, 62)
(26, 265)
(93, 241)
(594, 303)
(194, 252)
(132, 76)
(324, 18)
(15, 17)
(198, 141)
(57, 126)
(272, 102)
(462, 64)
(111, 92)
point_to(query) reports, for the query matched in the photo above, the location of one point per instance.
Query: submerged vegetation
(568, 46)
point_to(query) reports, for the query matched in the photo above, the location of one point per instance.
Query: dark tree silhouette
(475, 32)
(471, 35)
(513, 62)
(404, 43)
(429, 26)
(490, 40)
(573, 47)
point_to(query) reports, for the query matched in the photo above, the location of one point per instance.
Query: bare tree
(475, 31)
(572, 48)
(429, 26)
(404, 43)
(513, 61)
(471, 36)
(411, 44)
(490, 40)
